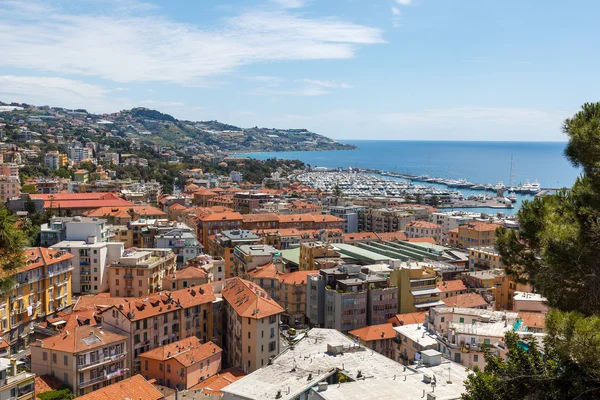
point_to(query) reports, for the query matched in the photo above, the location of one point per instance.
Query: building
(451, 220)
(51, 160)
(78, 203)
(349, 214)
(182, 240)
(530, 302)
(466, 300)
(222, 245)
(81, 175)
(212, 223)
(417, 287)
(293, 297)
(78, 153)
(90, 261)
(187, 277)
(462, 333)
(484, 258)
(310, 252)
(424, 229)
(283, 239)
(379, 338)
(10, 186)
(267, 277)
(252, 320)
(451, 288)
(140, 272)
(260, 222)
(9, 169)
(59, 229)
(412, 340)
(181, 365)
(247, 202)
(135, 387)
(384, 219)
(85, 358)
(328, 365)
(15, 384)
(42, 288)
(212, 386)
(125, 214)
(473, 234)
(248, 257)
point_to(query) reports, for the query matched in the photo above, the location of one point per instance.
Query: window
(476, 357)
(140, 272)
(272, 346)
(443, 319)
(140, 283)
(136, 339)
(272, 319)
(160, 366)
(272, 332)
(53, 358)
(262, 348)
(66, 360)
(168, 367)
(249, 351)
(146, 365)
(248, 335)
(462, 320)
(45, 356)
(249, 322)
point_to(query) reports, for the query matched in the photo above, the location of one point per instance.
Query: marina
(439, 192)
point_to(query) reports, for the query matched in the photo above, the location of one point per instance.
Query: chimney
(13, 366)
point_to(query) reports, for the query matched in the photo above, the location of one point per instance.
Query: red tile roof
(451, 286)
(266, 217)
(249, 300)
(391, 236)
(533, 320)
(135, 387)
(186, 351)
(421, 240)
(408, 318)
(358, 236)
(72, 341)
(375, 332)
(213, 385)
(466, 300)
(480, 226)
(99, 301)
(46, 383)
(296, 278)
(424, 225)
(265, 271)
(36, 257)
(190, 272)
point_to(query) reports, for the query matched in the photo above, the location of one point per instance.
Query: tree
(12, 242)
(62, 393)
(556, 250)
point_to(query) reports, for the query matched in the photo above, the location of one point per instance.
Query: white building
(182, 240)
(90, 274)
(349, 214)
(533, 302)
(52, 160)
(74, 228)
(312, 368)
(236, 176)
(77, 153)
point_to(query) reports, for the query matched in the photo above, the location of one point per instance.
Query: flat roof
(417, 333)
(290, 371)
(354, 251)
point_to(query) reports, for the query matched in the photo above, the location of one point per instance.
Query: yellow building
(311, 251)
(63, 160)
(487, 257)
(417, 287)
(42, 288)
(473, 234)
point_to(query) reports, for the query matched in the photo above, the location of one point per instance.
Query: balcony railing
(102, 360)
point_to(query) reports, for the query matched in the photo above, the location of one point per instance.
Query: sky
(348, 69)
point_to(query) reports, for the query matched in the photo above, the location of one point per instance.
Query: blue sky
(349, 69)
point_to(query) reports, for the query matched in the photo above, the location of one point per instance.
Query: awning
(62, 321)
(430, 304)
(425, 291)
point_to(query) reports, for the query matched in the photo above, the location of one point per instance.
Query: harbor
(439, 192)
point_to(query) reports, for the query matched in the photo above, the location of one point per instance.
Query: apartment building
(451, 220)
(73, 228)
(252, 319)
(202, 196)
(214, 223)
(310, 252)
(384, 219)
(9, 169)
(214, 266)
(411, 341)
(182, 364)
(124, 215)
(350, 215)
(248, 257)
(90, 261)
(451, 288)
(247, 202)
(140, 272)
(182, 240)
(222, 245)
(283, 239)
(259, 222)
(293, 297)
(187, 277)
(424, 229)
(86, 358)
(473, 234)
(379, 338)
(42, 288)
(78, 153)
(15, 384)
(268, 278)
(10, 186)
(484, 258)
(417, 285)
(462, 333)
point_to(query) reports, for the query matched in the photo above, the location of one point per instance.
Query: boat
(500, 186)
(512, 197)
(535, 187)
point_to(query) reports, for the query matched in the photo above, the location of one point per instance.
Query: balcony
(102, 360)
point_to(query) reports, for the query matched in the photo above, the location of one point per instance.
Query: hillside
(156, 128)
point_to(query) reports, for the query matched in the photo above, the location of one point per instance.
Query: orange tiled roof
(176, 206)
(146, 307)
(222, 216)
(135, 387)
(39, 256)
(351, 237)
(213, 385)
(533, 319)
(264, 271)
(424, 225)
(46, 383)
(408, 318)
(296, 278)
(76, 196)
(267, 217)
(451, 286)
(122, 211)
(249, 300)
(466, 300)
(194, 296)
(190, 272)
(186, 351)
(99, 301)
(72, 341)
(480, 226)
(421, 240)
(375, 332)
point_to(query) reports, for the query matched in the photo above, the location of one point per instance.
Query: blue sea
(480, 162)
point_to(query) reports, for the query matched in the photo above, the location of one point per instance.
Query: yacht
(500, 186)
(526, 187)
(535, 187)
(512, 197)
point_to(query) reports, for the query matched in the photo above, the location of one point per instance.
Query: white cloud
(325, 84)
(55, 91)
(396, 11)
(161, 103)
(404, 2)
(137, 46)
(307, 87)
(290, 3)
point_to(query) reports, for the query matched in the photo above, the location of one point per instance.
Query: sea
(513, 163)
